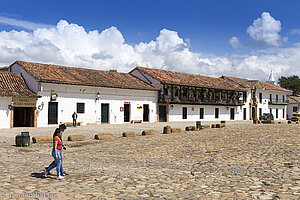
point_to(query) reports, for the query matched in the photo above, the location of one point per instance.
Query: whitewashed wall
(290, 109)
(5, 112)
(193, 113)
(69, 95)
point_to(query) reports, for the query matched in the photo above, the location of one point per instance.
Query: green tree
(291, 83)
(113, 70)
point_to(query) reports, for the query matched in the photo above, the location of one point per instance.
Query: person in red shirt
(62, 127)
(57, 154)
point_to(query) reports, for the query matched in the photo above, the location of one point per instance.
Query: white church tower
(272, 79)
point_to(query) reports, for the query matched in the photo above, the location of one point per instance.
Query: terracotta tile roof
(4, 69)
(269, 86)
(249, 83)
(80, 76)
(13, 85)
(294, 98)
(189, 79)
(241, 81)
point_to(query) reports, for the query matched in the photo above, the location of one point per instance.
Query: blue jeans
(53, 164)
(58, 162)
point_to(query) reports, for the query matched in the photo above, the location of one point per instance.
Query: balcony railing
(278, 101)
(185, 100)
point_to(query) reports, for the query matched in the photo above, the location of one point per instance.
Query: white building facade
(190, 97)
(107, 102)
(262, 98)
(294, 105)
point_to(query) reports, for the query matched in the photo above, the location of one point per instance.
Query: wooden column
(11, 118)
(35, 118)
(172, 93)
(180, 94)
(164, 87)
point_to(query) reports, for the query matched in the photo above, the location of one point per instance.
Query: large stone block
(167, 130)
(204, 126)
(190, 128)
(76, 137)
(104, 136)
(42, 139)
(148, 132)
(176, 130)
(129, 134)
(223, 124)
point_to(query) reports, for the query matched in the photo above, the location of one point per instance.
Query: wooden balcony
(179, 94)
(193, 101)
(278, 102)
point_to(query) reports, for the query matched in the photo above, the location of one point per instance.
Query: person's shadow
(37, 175)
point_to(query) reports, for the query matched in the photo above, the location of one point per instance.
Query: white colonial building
(41, 95)
(190, 97)
(294, 105)
(96, 96)
(17, 102)
(262, 98)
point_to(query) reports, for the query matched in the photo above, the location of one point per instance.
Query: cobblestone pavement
(237, 162)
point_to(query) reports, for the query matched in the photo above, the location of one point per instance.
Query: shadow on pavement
(37, 175)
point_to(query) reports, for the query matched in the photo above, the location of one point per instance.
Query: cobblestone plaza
(240, 161)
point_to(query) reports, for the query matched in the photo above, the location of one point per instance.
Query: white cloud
(234, 42)
(265, 30)
(70, 45)
(295, 31)
(22, 23)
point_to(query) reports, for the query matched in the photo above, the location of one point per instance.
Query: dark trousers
(74, 122)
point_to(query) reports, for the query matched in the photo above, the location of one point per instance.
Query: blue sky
(205, 28)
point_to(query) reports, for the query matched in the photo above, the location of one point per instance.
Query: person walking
(57, 154)
(62, 128)
(74, 116)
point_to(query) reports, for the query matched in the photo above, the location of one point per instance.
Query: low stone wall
(176, 130)
(76, 137)
(42, 139)
(190, 128)
(129, 134)
(104, 136)
(148, 132)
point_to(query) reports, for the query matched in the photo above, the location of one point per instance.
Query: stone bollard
(223, 123)
(76, 137)
(219, 126)
(129, 134)
(205, 126)
(190, 128)
(42, 139)
(167, 130)
(148, 132)
(176, 130)
(104, 136)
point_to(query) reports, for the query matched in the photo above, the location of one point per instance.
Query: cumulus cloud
(234, 42)
(71, 45)
(265, 30)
